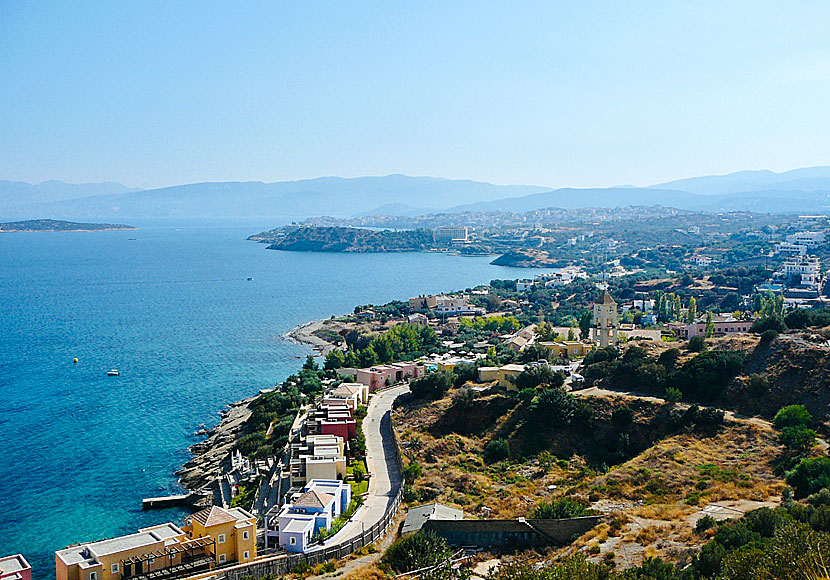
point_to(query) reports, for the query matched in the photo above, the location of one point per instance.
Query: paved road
(381, 462)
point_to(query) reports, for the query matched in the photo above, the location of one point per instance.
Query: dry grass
(650, 499)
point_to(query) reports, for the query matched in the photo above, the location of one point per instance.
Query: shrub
(417, 551)
(432, 386)
(797, 438)
(769, 335)
(708, 373)
(412, 472)
(809, 476)
(705, 523)
(696, 344)
(672, 395)
(668, 358)
(775, 323)
(496, 450)
(560, 509)
(820, 498)
(410, 494)
(792, 416)
(556, 406)
(358, 473)
(539, 375)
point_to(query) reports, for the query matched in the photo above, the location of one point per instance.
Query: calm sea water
(170, 306)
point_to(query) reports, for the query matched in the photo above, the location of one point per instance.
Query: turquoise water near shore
(172, 308)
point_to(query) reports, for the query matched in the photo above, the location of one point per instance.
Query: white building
(702, 261)
(808, 267)
(452, 304)
(524, 285)
(454, 235)
(790, 249)
(809, 239)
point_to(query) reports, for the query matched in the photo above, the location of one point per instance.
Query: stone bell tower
(606, 323)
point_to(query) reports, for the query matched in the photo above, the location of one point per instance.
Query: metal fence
(283, 564)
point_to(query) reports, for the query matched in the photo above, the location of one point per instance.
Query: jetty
(193, 499)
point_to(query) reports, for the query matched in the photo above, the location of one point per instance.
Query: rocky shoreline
(304, 334)
(212, 456)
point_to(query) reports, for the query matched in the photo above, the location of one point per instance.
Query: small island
(59, 226)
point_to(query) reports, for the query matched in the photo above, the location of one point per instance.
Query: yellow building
(507, 374)
(234, 531)
(210, 537)
(488, 374)
(569, 348)
(150, 550)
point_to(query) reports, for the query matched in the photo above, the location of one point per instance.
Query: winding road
(382, 463)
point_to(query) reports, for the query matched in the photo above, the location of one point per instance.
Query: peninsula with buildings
(633, 408)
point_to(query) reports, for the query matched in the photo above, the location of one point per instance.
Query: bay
(171, 307)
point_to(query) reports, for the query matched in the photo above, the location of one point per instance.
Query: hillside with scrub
(703, 455)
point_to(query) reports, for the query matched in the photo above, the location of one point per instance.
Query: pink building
(379, 376)
(15, 568)
(723, 325)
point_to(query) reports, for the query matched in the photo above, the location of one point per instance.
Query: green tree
(792, 416)
(809, 476)
(585, 321)
(432, 385)
(798, 439)
(334, 360)
(417, 551)
(310, 364)
(537, 375)
(710, 325)
(691, 315)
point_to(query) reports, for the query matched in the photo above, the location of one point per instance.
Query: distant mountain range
(800, 190)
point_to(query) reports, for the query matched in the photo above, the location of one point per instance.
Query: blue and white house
(311, 511)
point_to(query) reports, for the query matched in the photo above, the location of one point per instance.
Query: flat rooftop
(13, 564)
(164, 533)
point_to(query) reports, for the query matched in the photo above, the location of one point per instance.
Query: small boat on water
(112, 373)
(250, 278)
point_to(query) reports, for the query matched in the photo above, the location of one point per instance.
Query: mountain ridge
(798, 190)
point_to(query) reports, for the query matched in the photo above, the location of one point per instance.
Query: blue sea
(171, 307)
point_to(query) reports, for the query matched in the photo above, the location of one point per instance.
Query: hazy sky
(552, 93)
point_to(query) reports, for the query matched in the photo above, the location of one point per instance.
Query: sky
(551, 93)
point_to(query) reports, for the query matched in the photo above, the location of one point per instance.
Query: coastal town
(329, 462)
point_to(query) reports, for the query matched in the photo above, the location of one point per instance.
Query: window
(221, 558)
(220, 539)
(246, 534)
(151, 561)
(114, 568)
(292, 541)
(93, 576)
(246, 554)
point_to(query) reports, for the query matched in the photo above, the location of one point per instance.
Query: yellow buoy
(75, 360)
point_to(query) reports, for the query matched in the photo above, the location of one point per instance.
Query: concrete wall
(510, 533)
